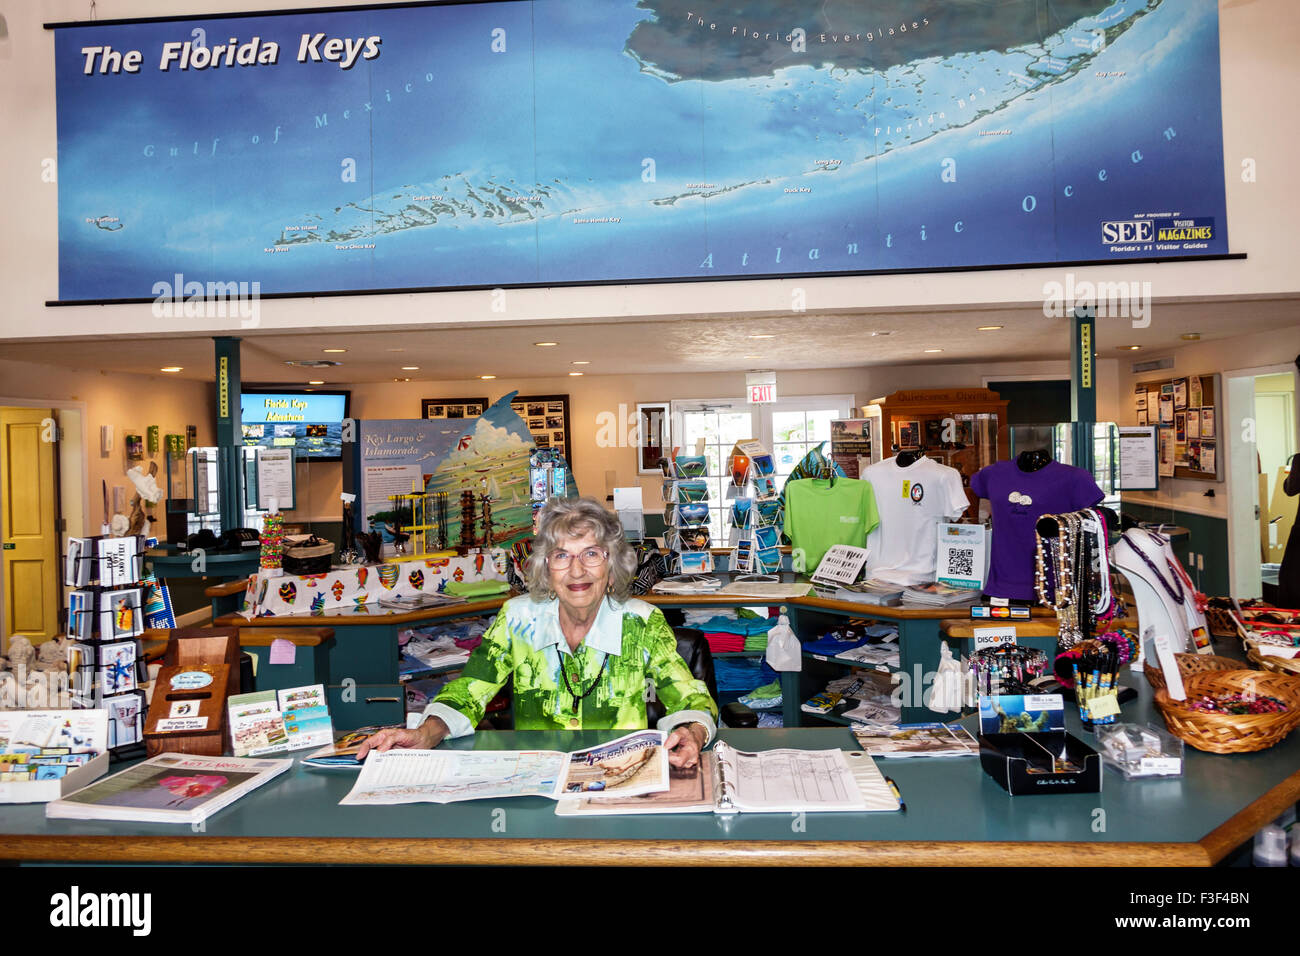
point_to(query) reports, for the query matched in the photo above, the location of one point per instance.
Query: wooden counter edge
(1242, 826)
(236, 586)
(543, 852)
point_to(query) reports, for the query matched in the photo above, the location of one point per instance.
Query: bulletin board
(547, 418)
(1188, 410)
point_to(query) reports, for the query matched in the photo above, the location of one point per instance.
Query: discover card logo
(74, 909)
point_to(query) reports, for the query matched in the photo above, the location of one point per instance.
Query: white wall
(1260, 79)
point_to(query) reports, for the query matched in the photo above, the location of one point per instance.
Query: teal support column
(230, 436)
(1083, 385)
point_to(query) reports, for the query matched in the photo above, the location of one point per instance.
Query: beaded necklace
(1177, 593)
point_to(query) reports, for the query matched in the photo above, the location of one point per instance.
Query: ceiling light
(171, 368)
(763, 335)
(316, 382)
(410, 368)
(1132, 348)
(574, 374)
(934, 350)
(545, 345)
(882, 332)
(753, 356)
(487, 377)
(401, 380)
(1190, 336)
(334, 351)
(580, 362)
(988, 328)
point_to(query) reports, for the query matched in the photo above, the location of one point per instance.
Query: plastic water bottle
(1270, 846)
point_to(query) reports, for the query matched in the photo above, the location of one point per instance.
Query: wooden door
(27, 523)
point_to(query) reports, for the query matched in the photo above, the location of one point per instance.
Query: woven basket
(1278, 665)
(1222, 622)
(1188, 664)
(1227, 733)
(312, 556)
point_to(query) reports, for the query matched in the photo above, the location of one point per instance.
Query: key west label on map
(634, 140)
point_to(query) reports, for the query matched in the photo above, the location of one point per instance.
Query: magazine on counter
(168, 788)
(633, 764)
(774, 781)
(917, 740)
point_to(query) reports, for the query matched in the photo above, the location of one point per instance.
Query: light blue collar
(606, 632)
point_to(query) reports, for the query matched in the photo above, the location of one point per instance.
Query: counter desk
(956, 816)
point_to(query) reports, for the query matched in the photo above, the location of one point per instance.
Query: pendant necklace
(1177, 593)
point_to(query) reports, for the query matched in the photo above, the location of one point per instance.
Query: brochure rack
(756, 514)
(687, 515)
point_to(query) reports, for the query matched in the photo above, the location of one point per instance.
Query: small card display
(1017, 713)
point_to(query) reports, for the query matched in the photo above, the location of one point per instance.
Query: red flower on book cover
(188, 788)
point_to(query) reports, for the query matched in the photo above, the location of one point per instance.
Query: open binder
(731, 781)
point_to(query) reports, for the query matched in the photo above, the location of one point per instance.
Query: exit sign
(761, 394)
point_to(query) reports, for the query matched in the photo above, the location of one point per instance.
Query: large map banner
(564, 141)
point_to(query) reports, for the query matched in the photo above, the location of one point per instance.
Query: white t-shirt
(912, 502)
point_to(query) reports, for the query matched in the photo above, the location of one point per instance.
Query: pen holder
(1026, 763)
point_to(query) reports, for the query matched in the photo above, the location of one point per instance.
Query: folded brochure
(168, 788)
(634, 764)
(917, 740)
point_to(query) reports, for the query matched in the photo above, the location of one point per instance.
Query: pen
(894, 787)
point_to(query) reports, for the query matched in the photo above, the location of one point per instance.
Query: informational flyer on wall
(1138, 458)
(275, 478)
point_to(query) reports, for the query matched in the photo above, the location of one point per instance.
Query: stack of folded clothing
(736, 634)
(767, 697)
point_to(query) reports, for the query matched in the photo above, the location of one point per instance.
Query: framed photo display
(453, 407)
(547, 418)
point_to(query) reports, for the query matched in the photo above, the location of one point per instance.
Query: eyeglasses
(591, 558)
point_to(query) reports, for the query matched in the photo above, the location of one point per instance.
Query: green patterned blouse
(629, 655)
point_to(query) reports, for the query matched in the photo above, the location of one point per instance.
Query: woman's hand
(425, 737)
(685, 743)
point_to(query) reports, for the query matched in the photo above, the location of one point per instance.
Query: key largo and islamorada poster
(563, 141)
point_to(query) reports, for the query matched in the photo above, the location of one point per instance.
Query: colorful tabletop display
(359, 587)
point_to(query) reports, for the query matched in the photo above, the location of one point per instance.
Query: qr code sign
(961, 562)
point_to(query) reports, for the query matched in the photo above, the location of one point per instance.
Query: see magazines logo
(76, 909)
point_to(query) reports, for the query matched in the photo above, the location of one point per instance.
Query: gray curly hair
(574, 517)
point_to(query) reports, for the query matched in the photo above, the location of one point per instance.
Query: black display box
(1030, 763)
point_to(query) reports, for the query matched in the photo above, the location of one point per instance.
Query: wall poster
(483, 145)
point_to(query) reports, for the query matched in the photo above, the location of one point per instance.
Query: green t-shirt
(820, 513)
(629, 653)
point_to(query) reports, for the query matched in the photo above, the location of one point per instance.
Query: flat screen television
(309, 421)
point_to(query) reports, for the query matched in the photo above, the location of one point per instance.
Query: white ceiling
(696, 344)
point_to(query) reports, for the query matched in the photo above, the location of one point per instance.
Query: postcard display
(106, 665)
(756, 513)
(686, 513)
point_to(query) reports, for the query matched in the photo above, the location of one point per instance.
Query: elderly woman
(582, 652)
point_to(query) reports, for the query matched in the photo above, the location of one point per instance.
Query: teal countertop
(956, 815)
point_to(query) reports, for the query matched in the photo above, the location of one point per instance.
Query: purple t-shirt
(1018, 499)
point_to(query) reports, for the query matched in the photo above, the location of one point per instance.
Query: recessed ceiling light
(934, 350)
(545, 345)
(410, 368)
(334, 351)
(487, 377)
(401, 380)
(988, 328)
(763, 335)
(753, 356)
(1132, 348)
(580, 362)
(171, 368)
(882, 332)
(316, 382)
(575, 374)
(1190, 336)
